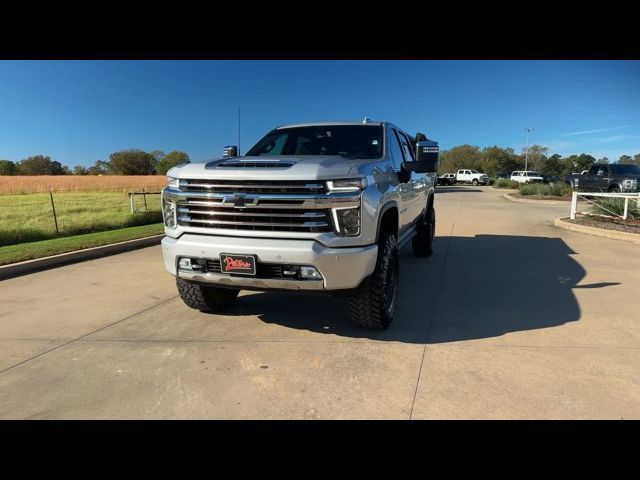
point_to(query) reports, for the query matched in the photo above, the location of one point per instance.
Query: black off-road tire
(614, 189)
(422, 243)
(206, 299)
(375, 304)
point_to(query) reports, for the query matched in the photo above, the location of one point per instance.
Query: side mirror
(230, 151)
(428, 152)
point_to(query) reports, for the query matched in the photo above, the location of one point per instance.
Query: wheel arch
(388, 219)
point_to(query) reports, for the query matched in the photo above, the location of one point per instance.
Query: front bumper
(341, 268)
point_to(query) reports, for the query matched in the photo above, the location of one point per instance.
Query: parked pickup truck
(316, 207)
(472, 176)
(570, 179)
(604, 177)
(447, 179)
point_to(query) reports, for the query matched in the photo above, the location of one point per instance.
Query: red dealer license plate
(240, 264)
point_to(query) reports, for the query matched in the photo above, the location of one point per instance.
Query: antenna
(366, 119)
(238, 131)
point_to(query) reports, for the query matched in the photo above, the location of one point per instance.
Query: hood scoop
(253, 163)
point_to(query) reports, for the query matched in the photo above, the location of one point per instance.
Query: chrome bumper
(341, 268)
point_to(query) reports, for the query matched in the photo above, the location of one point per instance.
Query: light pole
(526, 155)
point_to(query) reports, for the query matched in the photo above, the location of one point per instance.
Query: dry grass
(75, 183)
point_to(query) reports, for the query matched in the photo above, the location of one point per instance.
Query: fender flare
(386, 207)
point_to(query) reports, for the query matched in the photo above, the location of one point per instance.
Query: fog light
(185, 263)
(310, 273)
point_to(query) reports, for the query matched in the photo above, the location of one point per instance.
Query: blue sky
(81, 111)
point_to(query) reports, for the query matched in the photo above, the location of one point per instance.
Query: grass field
(29, 217)
(44, 183)
(29, 251)
(90, 211)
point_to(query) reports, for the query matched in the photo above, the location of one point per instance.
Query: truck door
(405, 187)
(589, 181)
(417, 185)
(602, 178)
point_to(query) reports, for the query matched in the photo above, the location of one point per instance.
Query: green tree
(583, 162)
(7, 167)
(157, 155)
(496, 159)
(636, 159)
(39, 165)
(554, 165)
(462, 156)
(80, 170)
(132, 162)
(625, 159)
(100, 167)
(536, 158)
(170, 160)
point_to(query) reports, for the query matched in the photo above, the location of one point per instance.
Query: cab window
(406, 146)
(396, 150)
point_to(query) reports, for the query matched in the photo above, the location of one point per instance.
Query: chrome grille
(257, 205)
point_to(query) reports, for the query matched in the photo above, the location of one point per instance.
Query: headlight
(173, 182)
(169, 213)
(347, 221)
(630, 184)
(347, 185)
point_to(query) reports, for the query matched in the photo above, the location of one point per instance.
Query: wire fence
(39, 216)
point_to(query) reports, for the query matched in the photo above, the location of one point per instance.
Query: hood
(294, 167)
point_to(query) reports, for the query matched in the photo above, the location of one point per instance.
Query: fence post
(574, 205)
(626, 208)
(131, 201)
(144, 195)
(53, 207)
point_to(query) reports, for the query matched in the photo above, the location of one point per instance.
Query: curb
(502, 189)
(597, 232)
(45, 263)
(539, 202)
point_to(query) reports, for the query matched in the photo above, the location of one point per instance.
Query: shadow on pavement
(490, 285)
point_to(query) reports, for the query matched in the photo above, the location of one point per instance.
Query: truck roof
(321, 124)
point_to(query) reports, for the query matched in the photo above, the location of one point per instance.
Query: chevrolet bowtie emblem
(239, 200)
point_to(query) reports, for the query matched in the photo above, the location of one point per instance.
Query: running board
(406, 237)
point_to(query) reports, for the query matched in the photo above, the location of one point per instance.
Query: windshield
(634, 169)
(352, 141)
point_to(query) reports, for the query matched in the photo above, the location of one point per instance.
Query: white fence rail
(587, 195)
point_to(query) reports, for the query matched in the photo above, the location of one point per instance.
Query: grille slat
(250, 223)
(254, 186)
(243, 213)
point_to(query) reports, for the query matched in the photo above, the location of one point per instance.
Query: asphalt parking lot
(511, 318)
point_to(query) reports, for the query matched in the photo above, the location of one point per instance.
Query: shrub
(615, 206)
(505, 183)
(551, 189)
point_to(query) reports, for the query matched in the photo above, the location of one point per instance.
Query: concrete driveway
(511, 318)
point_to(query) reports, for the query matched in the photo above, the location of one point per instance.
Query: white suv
(526, 176)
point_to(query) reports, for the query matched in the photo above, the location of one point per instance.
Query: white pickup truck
(471, 176)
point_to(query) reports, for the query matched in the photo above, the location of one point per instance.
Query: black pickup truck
(605, 177)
